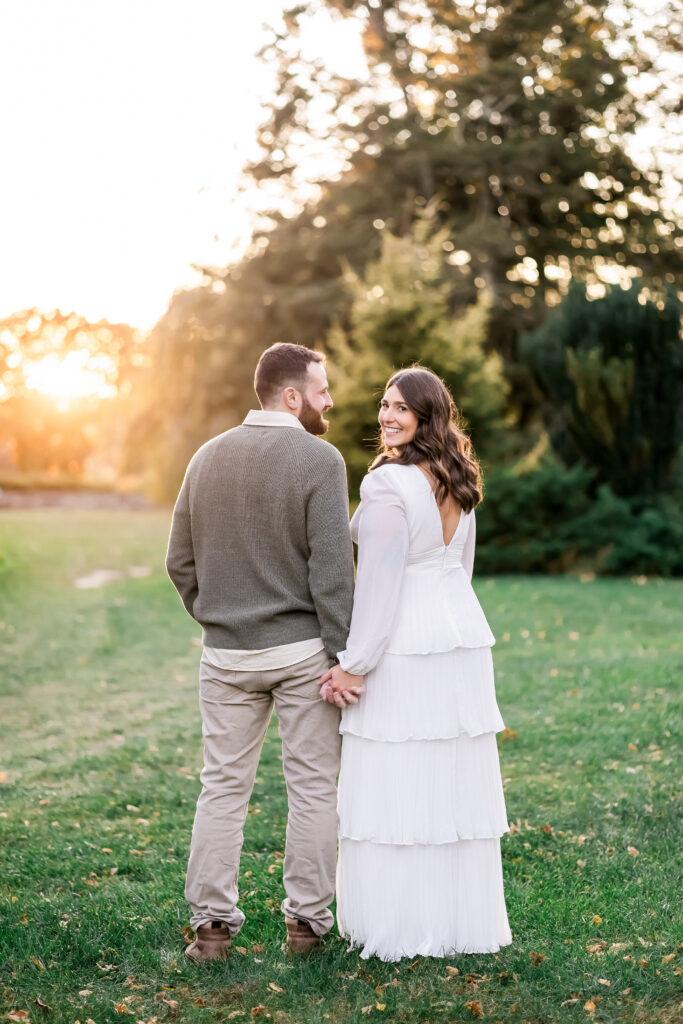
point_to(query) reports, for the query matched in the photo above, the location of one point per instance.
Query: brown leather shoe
(300, 936)
(212, 942)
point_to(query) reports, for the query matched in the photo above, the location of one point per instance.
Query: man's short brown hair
(280, 366)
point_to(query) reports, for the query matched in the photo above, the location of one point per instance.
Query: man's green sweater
(260, 549)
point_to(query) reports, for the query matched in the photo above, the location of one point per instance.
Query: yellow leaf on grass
(380, 1006)
(123, 1008)
(667, 959)
(589, 1007)
(39, 963)
(597, 919)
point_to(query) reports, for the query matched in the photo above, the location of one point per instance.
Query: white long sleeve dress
(421, 806)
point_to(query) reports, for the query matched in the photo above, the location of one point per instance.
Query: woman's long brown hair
(439, 440)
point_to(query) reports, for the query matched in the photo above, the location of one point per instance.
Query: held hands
(340, 687)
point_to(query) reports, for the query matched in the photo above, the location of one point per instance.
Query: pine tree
(399, 315)
(611, 372)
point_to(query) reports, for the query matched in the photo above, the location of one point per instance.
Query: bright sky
(124, 126)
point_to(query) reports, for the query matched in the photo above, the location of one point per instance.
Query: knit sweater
(260, 548)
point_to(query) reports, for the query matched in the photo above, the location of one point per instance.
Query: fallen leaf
(366, 1009)
(241, 950)
(41, 1005)
(380, 1006)
(548, 829)
(632, 850)
(452, 971)
(644, 963)
(589, 1007)
(235, 1013)
(669, 956)
(536, 958)
(258, 1011)
(604, 981)
(17, 1015)
(85, 992)
(475, 1008)
(597, 919)
(274, 987)
(258, 948)
(39, 963)
(123, 1008)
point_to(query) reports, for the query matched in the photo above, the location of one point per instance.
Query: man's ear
(290, 397)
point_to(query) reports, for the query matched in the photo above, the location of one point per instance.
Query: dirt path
(88, 500)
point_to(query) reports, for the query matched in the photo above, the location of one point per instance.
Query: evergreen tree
(611, 372)
(399, 315)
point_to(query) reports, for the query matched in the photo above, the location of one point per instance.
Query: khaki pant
(236, 708)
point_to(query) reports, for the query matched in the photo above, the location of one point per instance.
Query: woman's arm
(382, 553)
(468, 550)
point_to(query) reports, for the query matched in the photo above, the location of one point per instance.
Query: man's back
(260, 549)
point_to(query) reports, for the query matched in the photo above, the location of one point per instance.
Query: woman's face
(397, 421)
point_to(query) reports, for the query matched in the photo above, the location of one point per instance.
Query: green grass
(100, 748)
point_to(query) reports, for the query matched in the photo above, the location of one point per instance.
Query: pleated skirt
(421, 810)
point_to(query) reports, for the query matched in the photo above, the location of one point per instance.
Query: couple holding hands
(261, 554)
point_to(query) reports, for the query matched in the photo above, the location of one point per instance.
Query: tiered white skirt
(421, 809)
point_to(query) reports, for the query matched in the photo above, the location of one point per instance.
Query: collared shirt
(271, 657)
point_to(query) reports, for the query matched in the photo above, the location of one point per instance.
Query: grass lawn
(100, 750)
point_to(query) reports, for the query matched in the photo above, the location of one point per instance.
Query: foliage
(101, 747)
(200, 382)
(550, 519)
(399, 315)
(513, 116)
(611, 374)
(44, 422)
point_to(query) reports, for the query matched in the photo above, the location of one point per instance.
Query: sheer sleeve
(468, 550)
(382, 554)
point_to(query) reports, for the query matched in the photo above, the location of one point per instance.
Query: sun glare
(69, 377)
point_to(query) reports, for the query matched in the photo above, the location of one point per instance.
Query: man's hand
(340, 687)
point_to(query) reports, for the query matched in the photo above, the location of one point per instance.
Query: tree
(60, 378)
(611, 374)
(513, 115)
(399, 315)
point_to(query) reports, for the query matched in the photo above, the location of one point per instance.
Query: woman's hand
(340, 687)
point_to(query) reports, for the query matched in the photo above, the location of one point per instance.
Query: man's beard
(311, 419)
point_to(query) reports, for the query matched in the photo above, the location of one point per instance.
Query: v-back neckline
(436, 507)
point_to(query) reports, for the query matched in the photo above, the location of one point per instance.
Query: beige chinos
(236, 707)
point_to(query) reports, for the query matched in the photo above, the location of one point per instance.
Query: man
(260, 553)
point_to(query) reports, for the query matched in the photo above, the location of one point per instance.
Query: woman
(421, 804)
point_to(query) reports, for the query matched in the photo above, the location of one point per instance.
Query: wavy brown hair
(439, 439)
